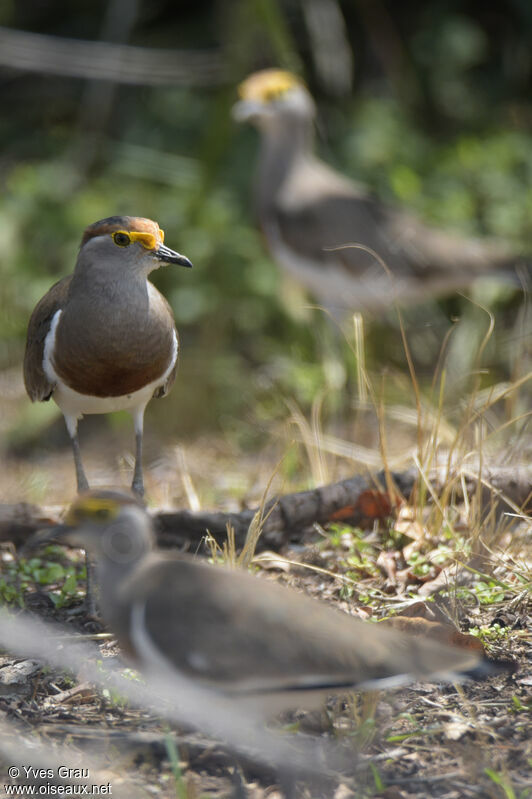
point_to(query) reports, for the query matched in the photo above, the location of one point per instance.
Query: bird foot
(83, 485)
(137, 487)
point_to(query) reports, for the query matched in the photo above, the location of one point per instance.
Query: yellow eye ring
(92, 509)
(121, 238)
(274, 93)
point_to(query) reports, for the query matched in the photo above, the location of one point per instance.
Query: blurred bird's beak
(168, 256)
(244, 110)
(58, 534)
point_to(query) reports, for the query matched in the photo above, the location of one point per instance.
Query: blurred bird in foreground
(349, 250)
(104, 339)
(227, 630)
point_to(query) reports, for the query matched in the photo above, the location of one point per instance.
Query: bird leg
(83, 485)
(90, 599)
(81, 478)
(137, 485)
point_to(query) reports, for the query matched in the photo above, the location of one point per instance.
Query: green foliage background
(438, 119)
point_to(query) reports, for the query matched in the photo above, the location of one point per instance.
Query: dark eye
(121, 239)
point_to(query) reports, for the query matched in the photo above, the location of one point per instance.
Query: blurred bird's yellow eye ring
(92, 508)
(274, 93)
(121, 238)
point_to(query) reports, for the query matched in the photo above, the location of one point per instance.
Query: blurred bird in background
(259, 643)
(348, 249)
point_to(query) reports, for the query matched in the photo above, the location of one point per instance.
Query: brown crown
(112, 223)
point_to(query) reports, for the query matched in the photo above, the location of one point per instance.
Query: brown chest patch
(114, 356)
(100, 377)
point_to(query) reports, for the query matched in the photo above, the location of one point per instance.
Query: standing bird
(250, 639)
(104, 339)
(349, 250)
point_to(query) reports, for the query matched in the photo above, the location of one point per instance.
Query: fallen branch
(289, 515)
(355, 500)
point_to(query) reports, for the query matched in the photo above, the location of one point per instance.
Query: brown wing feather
(37, 384)
(317, 209)
(408, 247)
(228, 622)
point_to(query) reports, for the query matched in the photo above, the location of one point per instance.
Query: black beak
(48, 535)
(171, 256)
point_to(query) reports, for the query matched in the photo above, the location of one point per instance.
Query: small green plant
(10, 594)
(20, 575)
(519, 707)
(114, 698)
(340, 536)
(489, 634)
(488, 592)
(65, 579)
(184, 788)
(504, 782)
(420, 566)
(111, 694)
(359, 558)
(377, 779)
(69, 590)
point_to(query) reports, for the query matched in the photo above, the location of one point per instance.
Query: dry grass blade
(310, 436)
(186, 478)
(359, 352)
(266, 557)
(468, 416)
(228, 553)
(257, 523)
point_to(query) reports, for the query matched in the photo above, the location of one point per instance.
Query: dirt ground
(427, 740)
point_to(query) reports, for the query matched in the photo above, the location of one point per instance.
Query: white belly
(74, 405)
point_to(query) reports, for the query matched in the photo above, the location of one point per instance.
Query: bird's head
(110, 525)
(272, 95)
(126, 243)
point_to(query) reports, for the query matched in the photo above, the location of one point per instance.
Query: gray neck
(90, 277)
(114, 569)
(284, 142)
(116, 289)
(110, 577)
